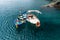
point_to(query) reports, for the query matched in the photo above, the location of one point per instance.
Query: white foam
(34, 11)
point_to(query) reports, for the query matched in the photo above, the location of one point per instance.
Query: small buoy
(38, 24)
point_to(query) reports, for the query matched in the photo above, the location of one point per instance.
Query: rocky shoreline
(55, 4)
(50, 5)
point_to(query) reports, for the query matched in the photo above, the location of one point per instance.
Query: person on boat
(30, 16)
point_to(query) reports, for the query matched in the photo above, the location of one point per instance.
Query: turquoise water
(50, 21)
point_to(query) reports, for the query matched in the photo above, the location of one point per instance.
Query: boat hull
(34, 20)
(19, 23)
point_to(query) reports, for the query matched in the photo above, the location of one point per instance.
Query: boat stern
(38, 24)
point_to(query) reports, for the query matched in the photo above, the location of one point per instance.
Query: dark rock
(57, 5)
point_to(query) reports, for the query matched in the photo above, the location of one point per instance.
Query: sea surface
(50, 21)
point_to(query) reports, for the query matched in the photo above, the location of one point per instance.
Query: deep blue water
(50, 21)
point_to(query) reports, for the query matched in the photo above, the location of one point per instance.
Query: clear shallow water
(50, 21)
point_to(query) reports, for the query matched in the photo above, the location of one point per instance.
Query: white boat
(33, 19)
